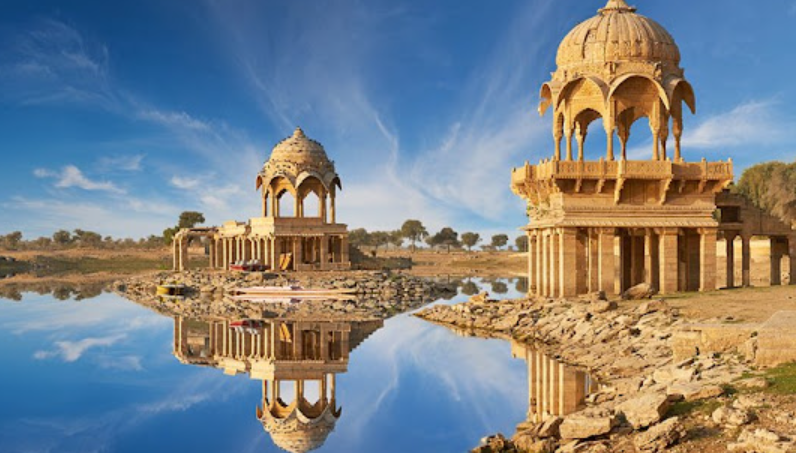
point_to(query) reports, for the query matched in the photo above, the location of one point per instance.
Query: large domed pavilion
(612, 223)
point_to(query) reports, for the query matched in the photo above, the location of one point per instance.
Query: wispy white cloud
(750, 123)
(121, 163)
(71, 351)
(185, 182)
(71, 176)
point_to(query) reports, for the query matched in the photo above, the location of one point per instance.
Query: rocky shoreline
(209, 294)
(646, 402)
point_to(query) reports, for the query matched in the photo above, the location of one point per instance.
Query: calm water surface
(100, 374)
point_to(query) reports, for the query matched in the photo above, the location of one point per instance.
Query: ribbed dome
(617, 34)
(299, 149)
(297, 158)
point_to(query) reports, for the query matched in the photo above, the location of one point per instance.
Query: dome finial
(298, 132)
(617, 5)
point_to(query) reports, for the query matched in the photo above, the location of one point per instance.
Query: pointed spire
(617, 5)
(298, 133)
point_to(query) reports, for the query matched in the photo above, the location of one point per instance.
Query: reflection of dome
(617, 34)
(298, 433)
(296, 158)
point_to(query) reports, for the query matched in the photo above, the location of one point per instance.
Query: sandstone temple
(611, 222)
(299, 241)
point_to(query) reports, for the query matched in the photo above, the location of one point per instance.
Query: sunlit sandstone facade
(296, 360)
(298, 167)
(612, 223)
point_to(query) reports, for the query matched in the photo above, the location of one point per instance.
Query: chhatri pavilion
(610, 223)
(304, 240)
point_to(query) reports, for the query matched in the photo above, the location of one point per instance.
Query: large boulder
(639, 292)
(660, 437)
(694, 391)
(645, 410)
(762, 441)
(582, 426)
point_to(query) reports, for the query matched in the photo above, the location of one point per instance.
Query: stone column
(212, 249)
(792, 258)
(594, 260)
(667, 260)
(776, 262)
(324, 253)
(606, 264)
(729, 243)
(322, 208)
(568, 262)
(531, 262)
(539, 263)
(746, 261)
(175, 265)
(344, 249)
(544, 274)
(707, 259)
(332, 209)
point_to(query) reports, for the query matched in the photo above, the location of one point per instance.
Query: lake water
(104, 374)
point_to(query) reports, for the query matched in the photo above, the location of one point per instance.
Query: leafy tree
(447, 237)
(87, 238)
(11, 241)
(414, 231)
(62, 237)
(168, 234)
(771, 186)
(754, 183)
(521, 242)
(189, 219)
(470, 240)
(379, 238)
(396, 238)
(499, 240)
(431, 241)
(359, 237)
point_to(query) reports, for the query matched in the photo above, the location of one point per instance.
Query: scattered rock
(550, 428)
(652, 306)
(494, 444)
(645, 410)
(603, 306)
(762, 441)
(582, 426)
(694, 391)
(639, 292)
(755, 383)
(731, 417)
(660, 437)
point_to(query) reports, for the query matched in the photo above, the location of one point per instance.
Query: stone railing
(607, 170)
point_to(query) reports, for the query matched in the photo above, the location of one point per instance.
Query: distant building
(298, 167)
(614, 222)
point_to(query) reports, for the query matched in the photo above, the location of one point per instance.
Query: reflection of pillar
(776, 262)
(554, 258)
(568, 248)
(729, 239)
(667, 256)
(707, 259)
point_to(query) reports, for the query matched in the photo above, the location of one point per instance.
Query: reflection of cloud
(71, 351)
(121, 363)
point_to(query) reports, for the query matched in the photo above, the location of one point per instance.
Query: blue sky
(116, 116)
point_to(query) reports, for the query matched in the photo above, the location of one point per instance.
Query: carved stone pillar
(540, 247)
(581, 132)
(746, 261)
(332, 209)
(668, 264)
(568, 262)
(545, 267)
(776, 262)
(729, 239)
(606, 263)
(792, 258)
(531, 262)
(554, 258)
(211, 248)
(569, 132)
(707, 259)
(558, 134)
(594, 260)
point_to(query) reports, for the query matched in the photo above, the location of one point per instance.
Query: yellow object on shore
(170, 290)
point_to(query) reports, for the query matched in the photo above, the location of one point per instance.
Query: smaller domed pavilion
(300, 240)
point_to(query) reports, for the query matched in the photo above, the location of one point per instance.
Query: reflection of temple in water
(554, 389)
(296, 360)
